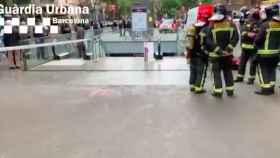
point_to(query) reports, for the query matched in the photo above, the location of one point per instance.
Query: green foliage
(22, 2)
(11, 2)
(206, 1)
(124, 6)
(5, 2)
(167, 6)
(170, 6)
(110, 1)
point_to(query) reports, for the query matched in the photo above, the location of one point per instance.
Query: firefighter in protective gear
(197, 55)
(190, 46)
(267, 43)
(221, 40)
(248, 35)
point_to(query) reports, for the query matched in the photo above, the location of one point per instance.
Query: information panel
(139, 19)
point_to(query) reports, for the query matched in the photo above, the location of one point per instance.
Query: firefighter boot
(239, 79)
(217, 95)
(192, 89)
(250, 81)
(230, 93)
(265, 92)
(199, 91)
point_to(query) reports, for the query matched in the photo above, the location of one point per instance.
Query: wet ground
(131, 115)
(177, 63)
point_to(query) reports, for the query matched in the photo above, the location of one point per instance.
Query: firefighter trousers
(198, 72)
(247, 55)
(222, 65)
(266, 68)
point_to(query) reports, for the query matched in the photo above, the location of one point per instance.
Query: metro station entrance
(106, 52)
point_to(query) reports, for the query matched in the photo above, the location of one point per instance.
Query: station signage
(139, 18)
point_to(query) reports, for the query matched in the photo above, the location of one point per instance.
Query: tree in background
(170, 6)
(206, 1)
(6, 2)
(11, 2)
(158, 7)
(124, 6)
(22, 2)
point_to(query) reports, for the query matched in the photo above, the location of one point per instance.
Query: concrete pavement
(130, 114)
(116, 64)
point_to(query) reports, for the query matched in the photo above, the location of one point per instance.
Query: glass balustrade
(105, 51)
(61, 49)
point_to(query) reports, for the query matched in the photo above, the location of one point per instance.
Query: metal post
(177, 40)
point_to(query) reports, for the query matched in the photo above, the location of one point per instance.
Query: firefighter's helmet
(220, 12)
(276, 12)
(272, 12)
(205, 12)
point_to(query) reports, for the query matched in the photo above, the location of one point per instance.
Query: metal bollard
(146, 54)
(158, 55)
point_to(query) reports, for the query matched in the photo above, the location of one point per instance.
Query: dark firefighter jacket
(250, 26)
(267, 40)
(223, 36)
(195, 40)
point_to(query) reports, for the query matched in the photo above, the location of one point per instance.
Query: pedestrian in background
(125, 26)
(11, 40)
(129, 27)
(95, 27)
(2, 55)
(39, 39)
(25, 40)
(65, 29)
(121, 26)
(81, 45)
(114, 26)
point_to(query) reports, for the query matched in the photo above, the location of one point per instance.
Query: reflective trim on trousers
(240, 76)
(217, 90)
(260, 74)
(262, 84)
(266, 86)
(231, 88)
(198, 89)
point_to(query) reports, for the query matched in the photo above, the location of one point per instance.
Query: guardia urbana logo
(50, 23)
(50, 9)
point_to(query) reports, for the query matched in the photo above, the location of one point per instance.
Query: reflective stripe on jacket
(268, 41)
